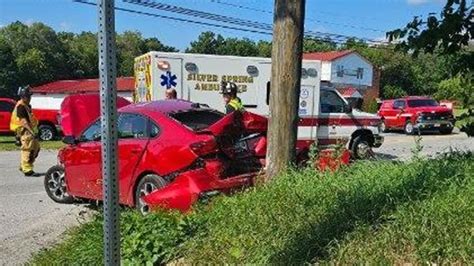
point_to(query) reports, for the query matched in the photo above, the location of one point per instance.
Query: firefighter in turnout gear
(25, 126)
(232, 102)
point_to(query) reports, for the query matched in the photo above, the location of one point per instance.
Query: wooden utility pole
(288, 30)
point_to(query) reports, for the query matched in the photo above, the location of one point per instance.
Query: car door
(398, 110)
(83, 164)
(133, 139)
(6, 109)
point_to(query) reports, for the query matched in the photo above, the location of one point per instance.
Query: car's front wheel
(409, 129)
(55, 185)
(383, 126)
(147, 185)
(46, 132)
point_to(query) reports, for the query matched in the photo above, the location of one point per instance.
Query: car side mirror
(347, 109)
(70, 140)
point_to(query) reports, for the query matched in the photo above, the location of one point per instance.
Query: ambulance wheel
(361, 148)
(147, 185)
(55, 185)
(46, 132)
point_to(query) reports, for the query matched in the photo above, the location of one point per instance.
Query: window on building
(340, 70)
(360, 73)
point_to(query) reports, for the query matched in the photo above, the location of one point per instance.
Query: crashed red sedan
(171, 153)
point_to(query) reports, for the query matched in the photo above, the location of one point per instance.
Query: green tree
(311, 45)
(264, 49)
(451, 31)
(8, 70)
(392, 92)
(238, 47)
(207, 43)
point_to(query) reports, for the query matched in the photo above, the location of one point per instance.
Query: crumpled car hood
(78, 111)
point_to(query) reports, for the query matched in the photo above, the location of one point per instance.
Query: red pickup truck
(414, 113)
(48, 120)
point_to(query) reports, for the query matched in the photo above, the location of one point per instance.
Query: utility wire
(235, 21)
(309, 19)
(263, 32)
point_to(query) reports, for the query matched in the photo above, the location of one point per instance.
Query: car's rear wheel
(147, 185)
(46, 132)
(361, 148)
(409, 129)
(55, 185)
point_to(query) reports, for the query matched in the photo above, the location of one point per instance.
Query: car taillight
(202, 148)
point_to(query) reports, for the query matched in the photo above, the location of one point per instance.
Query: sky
(368, 19)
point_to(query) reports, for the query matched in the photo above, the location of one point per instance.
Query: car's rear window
(422, 102)
(197, 119)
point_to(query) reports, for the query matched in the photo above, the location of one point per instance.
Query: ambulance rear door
(167, 72)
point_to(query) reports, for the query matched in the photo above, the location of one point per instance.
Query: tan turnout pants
(30, 148)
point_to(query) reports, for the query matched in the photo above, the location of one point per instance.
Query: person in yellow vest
(25, 126)
(232, 102)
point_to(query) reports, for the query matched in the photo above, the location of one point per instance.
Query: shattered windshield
(197, 119)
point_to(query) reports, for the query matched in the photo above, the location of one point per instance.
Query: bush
(465, 122)
(145, 239)
(387, 212)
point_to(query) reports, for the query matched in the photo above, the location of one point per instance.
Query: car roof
(161, 106)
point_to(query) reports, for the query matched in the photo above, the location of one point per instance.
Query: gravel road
(399, 146)
(30, 221)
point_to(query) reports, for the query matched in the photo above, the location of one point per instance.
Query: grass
(7, 143)
(387, 212)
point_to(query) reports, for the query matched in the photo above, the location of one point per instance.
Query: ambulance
(324, 115)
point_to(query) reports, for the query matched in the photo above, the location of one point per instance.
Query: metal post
(108, 118)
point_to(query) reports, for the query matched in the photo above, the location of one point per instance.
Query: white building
(49, 96)
(344, 68)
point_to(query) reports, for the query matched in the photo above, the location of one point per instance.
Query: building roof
(350, 92)
(327, 56)
(124, 84)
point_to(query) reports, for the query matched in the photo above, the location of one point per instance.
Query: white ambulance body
(195, 77)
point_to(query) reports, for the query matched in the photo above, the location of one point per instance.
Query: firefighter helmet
(228, 88)
(24, 91)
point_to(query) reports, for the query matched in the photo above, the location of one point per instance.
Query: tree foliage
(37, 54)
(450, 32)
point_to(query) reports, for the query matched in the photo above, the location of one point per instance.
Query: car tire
(147, 184)
(409, 129)
(55, 185)
(446, 131)
(360, 148)
(383, 126)
(46, 132)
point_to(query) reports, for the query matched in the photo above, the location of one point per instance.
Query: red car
(6, 109)
(413, 113)
(48, 120)
(184, 150)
